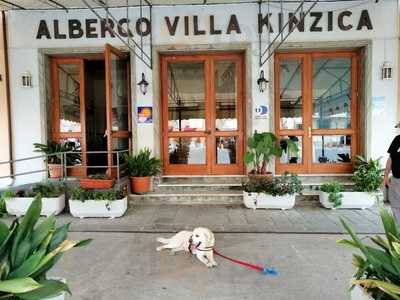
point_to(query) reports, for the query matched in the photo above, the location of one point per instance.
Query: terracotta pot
(55, 170)
(260, 177)
(76, 171)
(140, 185)
(90, 183)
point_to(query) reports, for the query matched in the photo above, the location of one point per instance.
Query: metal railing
(120, 166)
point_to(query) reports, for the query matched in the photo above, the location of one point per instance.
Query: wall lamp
(143, 84)
(262, 82)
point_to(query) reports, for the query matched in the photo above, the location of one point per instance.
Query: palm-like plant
(143, 164)
(379, 268)
(28, 251)
(55, 151)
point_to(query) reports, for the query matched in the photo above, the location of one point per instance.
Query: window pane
(332, 149)
(119, 93)
(69, 89)
(291, 101)
(186, 96)
(187, 150)
(226, 150)
(226, 95)
(290, 156)
(332, 93)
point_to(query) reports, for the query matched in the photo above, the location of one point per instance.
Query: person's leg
(394, 197)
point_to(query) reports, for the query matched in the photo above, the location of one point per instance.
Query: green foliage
(334, 189)
(262, 147)
(101, 176)
(286, 184)
(143, 164)
(46, 190)
(57, 149)
(368, 175)
(378, 268)
(108, 195)
(28, 250)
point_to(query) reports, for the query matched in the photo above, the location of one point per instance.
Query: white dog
(199, 242)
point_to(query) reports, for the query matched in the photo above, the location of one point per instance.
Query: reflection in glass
(226, 150)
(188, 150)
(73, 145)
(186, 96)
(332, 93)
(69, 89)
(291, 101)
(292, 157)
(332, 149)
(119, 93)
(226, 95)
(120, 144)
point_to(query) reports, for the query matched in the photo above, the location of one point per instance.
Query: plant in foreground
(28, 251)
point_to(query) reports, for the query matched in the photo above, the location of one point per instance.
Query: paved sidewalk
(235, 219)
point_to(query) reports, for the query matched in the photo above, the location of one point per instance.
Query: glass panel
(331, 148)
(226, 95)
(69, 90)
(119, 92)
(332, 93)
(226, 150)
(186, 96)
(291, 157)
(120, 144)
(74, 144)
(291, 100)
(188, 150)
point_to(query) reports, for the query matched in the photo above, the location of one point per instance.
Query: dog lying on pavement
(199, 242)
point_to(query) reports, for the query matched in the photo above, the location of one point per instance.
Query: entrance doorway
(91, 107)
(316, 107)
(202, 114)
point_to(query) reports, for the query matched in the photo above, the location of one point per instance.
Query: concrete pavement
(126, 266)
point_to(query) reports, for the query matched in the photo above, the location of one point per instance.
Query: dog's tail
(162, 240)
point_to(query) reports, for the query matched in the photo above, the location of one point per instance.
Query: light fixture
(143, 84)
(26, 79)
(262, 82)
(387, 71)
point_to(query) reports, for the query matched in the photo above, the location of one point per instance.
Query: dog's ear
(209, 238)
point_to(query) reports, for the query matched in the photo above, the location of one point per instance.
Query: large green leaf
(50, 288)
(29, 265)
(4, 231)
(19, 285)
(389, 288)
(42, 231)
(22, 252)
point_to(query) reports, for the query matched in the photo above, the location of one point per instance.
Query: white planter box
(358, 294)
(350, 200)
(261, 200)
(98, 208)
(18, 206)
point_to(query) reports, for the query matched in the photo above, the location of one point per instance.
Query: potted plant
(28, 251)
(262, 147)
(278, 192)
(54, 152)
(97, 181)
(98, 204)
(53, 199)
(367, 178)
(141, 168)
(378, 272)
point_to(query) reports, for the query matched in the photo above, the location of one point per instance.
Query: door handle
(309, 132)
(207, 132)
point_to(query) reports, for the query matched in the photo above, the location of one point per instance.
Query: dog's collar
(197, 247)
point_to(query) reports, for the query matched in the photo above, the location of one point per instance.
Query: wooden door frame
(308, 166)
(210, 168)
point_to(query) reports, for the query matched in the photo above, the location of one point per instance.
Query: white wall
(24, 47)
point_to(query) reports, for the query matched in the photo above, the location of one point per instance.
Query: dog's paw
(159, 248)
(209, 265)
(214, 264)
(172, 252)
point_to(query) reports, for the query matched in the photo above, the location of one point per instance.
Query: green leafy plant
(143, 164)
(28, 251)
(46, 190)
(378, 268)
(334, 189)
(262, 147)
(108, 195)
(368, 175)
(100, 176)
(286, 184)
(55, 151)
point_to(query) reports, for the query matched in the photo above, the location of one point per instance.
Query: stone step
(197, 187)
(216, 179)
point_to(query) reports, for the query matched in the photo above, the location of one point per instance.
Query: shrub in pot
(378, 264)
(84, 203)
(142, 167)
(367, 178)
(54, 152)
(28, 250)
(262, 147)
(18, 201)
(97, 181)
(278, 192)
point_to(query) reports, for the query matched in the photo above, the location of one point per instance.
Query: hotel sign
(94, 28)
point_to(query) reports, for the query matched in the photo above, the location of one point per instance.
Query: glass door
(118, 104)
